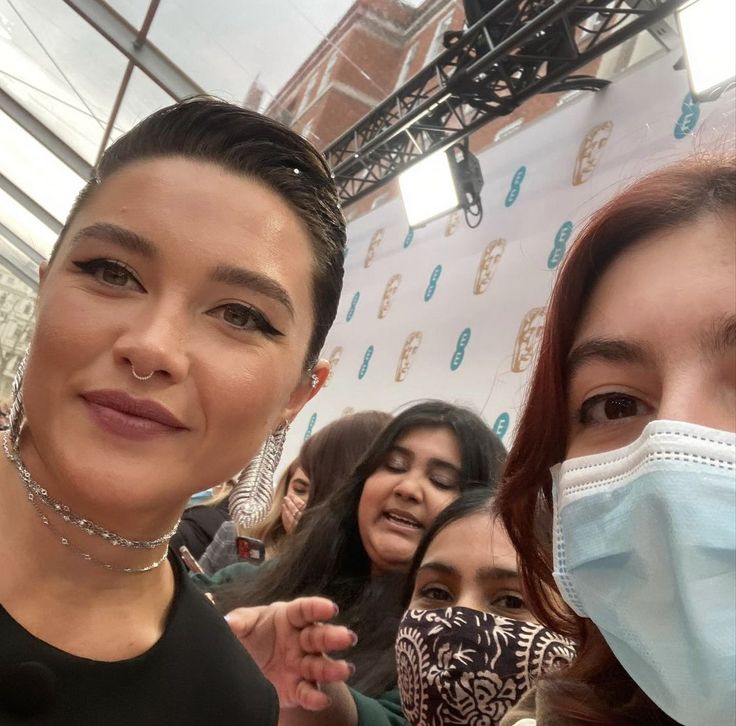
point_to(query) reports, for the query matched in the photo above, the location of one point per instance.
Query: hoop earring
(252, 495)
(17, 412)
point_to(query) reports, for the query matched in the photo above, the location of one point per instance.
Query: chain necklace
(36, 493)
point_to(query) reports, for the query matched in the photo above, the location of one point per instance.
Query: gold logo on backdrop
(391, 287)
(591, 151)
(334, 360)
(527, 339)
(372, 247)
(413, 341)
(452, 221)
(488, 263)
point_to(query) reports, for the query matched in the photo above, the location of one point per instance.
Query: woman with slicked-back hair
(628, 544)
(178, 330)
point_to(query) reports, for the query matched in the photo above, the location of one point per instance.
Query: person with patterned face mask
(468, 647)
(626, 505)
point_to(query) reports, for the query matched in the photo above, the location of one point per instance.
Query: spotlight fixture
(708, 33)
(443, 181)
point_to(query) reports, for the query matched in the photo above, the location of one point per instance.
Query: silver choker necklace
(36, 493)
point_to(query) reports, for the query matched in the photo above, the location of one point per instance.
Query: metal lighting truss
(517, 50)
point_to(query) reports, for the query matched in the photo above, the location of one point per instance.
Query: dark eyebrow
(438, 567)
(125, 238)
(254, 281)
(720, 337)
(496, 573)
(432, 462)
(607, 349)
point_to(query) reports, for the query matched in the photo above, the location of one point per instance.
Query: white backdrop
(451, 312)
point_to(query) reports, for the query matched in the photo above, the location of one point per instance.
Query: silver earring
(141, 378)
(314, 380)
(252, 495)
(16, 415)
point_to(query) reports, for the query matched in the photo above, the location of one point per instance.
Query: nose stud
(141, 378)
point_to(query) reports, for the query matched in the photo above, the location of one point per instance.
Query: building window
(308, 89)
(436, 47)
(327, 75)
(406, 65)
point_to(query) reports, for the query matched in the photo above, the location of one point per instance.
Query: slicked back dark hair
(257, 147)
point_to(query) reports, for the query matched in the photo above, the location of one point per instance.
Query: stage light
(428, 189)
(444, 181)
(708, 33)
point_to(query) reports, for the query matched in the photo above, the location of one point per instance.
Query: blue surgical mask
(645, 546)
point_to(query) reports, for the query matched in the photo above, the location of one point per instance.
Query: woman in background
(635, 529)
(356, 547)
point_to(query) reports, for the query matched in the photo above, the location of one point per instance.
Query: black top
(198, 526)
(196, 674)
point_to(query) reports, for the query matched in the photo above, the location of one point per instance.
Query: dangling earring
(252, 495)
(16, 415)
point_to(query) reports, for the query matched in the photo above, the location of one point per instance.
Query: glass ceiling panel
(227, 50)
(26, 225)
(60, 69)
(36, 171)
(134, 11)
(142, 98)
(27, 267)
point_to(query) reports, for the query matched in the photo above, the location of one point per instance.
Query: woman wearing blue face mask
(468, 648)
(635, 393)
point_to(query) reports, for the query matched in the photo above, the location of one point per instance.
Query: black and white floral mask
(463, 667)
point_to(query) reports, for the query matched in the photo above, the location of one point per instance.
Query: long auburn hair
(595, 689)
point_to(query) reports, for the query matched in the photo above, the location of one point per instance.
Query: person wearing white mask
(635, 393)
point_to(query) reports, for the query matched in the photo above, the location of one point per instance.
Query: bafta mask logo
(559, 246)
(353, 306)
(452, 220)
(391, 287)
(347, 411)
(688, 119)
(515, 188)
(591, 151)
(459, 355)
(409, 238)
(527, 340)
(488, 263)
(411, 346)
(373, 246)
(334, 360)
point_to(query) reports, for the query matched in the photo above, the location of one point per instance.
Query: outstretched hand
(288, 641)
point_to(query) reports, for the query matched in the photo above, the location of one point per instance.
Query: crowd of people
(405, 570)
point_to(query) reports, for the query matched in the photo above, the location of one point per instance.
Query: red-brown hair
(595, 689)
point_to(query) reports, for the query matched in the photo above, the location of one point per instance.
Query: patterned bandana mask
(463, 667)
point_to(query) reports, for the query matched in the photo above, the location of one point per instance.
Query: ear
(305, 391)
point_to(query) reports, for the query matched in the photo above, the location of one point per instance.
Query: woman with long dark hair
(356, 547)
(628, 545)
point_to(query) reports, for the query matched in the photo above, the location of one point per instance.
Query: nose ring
(141, 378)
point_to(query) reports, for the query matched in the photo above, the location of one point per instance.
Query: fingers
(320, 638)
(309, 610)
(321, 669)
(310, 698)
(243, 620)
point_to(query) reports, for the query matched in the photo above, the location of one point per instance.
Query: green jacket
(382, 711)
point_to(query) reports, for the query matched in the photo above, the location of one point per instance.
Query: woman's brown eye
(620, 407)
(113, 276)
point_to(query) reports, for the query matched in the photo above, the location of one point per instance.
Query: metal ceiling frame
(517, 50)
(30, 205)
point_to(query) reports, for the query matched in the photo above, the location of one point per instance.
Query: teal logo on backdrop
(409, 238)
(501, 425)
(459, 354)
(366, 360)
(560, 244)
(515, 188)
(432, 286)
(353, 305)
(310, 426)
(688, 120)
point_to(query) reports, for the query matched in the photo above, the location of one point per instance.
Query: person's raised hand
(288, 641)
(292, 508)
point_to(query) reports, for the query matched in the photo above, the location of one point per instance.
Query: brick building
(376, 47)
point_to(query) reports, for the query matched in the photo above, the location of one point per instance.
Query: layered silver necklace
(38, 496)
